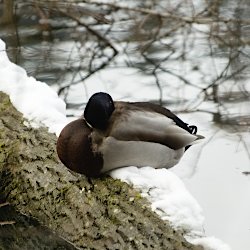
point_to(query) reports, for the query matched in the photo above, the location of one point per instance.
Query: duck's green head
(98, 110)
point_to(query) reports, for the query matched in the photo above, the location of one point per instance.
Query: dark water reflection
(58, 50)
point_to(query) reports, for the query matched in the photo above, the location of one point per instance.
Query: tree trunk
(98, 213)
(8, 12)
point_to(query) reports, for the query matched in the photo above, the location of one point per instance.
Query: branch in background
(100, 37)
(185, 19)
(147, 33)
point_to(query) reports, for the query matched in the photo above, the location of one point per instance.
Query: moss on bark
(91, 213)
(27, 233)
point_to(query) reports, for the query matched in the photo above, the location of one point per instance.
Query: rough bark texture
(90, 213)
(27, 233)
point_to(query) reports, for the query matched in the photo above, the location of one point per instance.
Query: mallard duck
(113, 134)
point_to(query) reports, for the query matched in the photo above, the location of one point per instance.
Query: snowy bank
(167, 193)
(36, 100)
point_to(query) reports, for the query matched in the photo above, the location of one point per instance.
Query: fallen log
(98, 213)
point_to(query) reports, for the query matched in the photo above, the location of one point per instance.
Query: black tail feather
(192, 129)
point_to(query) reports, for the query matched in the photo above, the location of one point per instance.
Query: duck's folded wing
(161, 110)
(152, 127)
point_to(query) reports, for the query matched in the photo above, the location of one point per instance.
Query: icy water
(187, 63)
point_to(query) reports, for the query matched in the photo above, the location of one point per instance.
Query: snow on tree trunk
(90, 213)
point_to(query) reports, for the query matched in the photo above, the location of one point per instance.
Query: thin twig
(4, 223)
(4, 204)
(166, 14)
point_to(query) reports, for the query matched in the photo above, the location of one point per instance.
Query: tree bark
(8, 12)
(26, 233)
(98, 213)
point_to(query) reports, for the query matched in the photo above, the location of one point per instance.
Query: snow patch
(35, 99)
